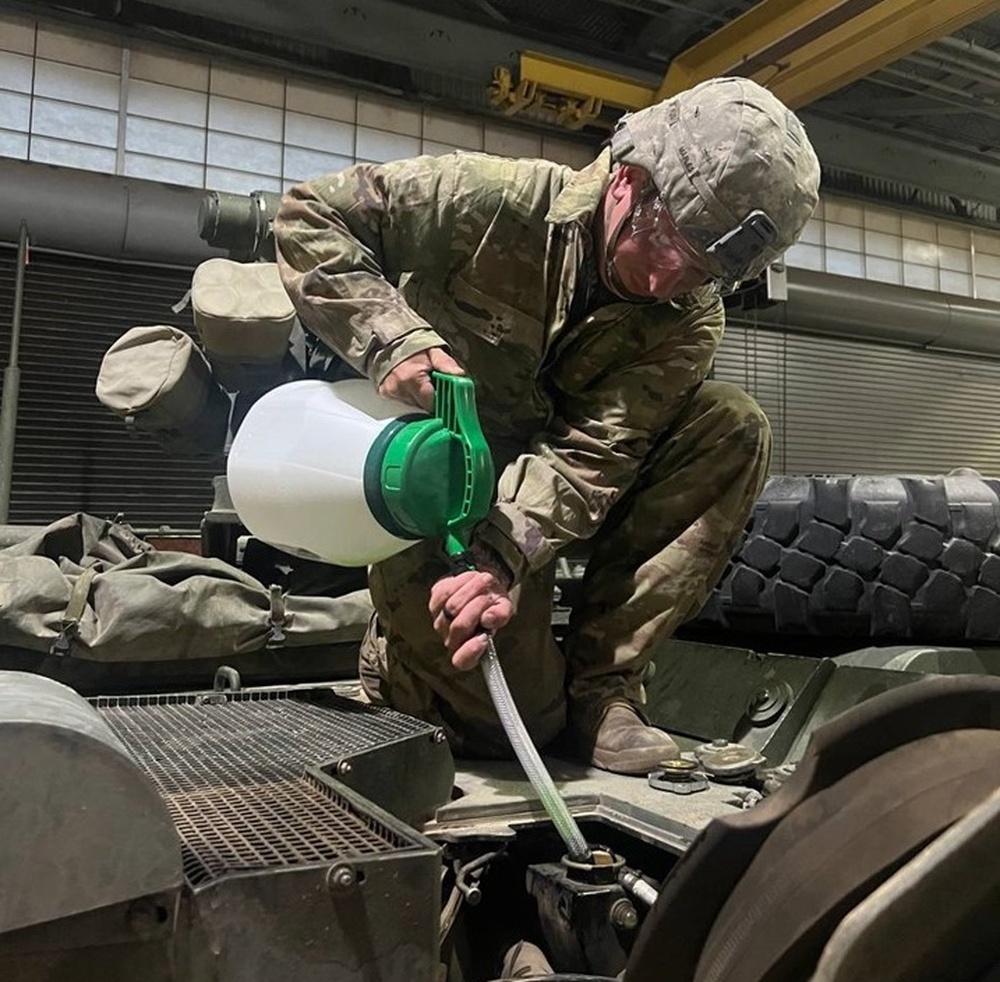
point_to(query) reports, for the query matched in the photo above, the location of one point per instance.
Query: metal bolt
(767, 703)
(438, 736)
(344, 767)
(624, 914)
(341, 877)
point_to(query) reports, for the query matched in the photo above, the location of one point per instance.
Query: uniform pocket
(493, 320)
(499, 346)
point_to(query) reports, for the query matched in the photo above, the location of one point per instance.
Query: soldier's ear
(618, 187)
(628, 179)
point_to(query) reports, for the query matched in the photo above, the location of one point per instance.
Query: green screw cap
(433, 476)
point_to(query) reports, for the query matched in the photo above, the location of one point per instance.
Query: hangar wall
(100, 103)
(162, 118)
(843, 406)
(95, 102)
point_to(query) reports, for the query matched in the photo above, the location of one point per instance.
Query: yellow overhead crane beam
(800, 49)
(804, 49)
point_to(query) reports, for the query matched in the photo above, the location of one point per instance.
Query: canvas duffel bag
(88, 588)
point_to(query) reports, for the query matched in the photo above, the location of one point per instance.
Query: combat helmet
(732, 165)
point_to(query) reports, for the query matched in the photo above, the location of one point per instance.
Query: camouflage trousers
(652, 565)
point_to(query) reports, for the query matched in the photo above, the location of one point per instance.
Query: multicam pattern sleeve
(617, 386)
(490, 252)
(340, 240)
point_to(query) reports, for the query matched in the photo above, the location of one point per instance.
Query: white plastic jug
(296, 470)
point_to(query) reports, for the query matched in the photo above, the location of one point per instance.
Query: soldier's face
(645, 257)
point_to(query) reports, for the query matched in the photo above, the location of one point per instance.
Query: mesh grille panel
(190, 742)
(231, 769)
(277, 823)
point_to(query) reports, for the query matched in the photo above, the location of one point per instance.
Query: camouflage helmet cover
(719, 151)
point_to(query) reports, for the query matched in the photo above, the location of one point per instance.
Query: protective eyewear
(652, 222)
(734, 252)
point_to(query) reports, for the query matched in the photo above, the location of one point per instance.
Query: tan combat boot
(623, 742)
(525, 961)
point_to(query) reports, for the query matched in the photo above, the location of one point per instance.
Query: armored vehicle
(193, 786)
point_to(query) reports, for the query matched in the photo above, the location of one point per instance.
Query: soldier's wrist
(488, 560)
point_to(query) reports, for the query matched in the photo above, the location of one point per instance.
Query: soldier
(586, 306)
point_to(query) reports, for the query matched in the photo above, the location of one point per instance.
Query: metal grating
(188, 742)
(231, 770)
(293, 822)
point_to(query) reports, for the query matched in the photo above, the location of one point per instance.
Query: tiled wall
(851, 238)
(83, 100)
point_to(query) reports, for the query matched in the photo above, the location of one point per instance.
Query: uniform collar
(579, 200)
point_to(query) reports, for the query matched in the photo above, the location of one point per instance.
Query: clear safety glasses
(653, 224)
(734, 252)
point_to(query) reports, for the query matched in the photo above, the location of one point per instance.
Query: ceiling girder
(800, 49)
(889, 107)
(980, 75)
(959, 101)
(805, 49)
(553, 87)
(663, 9)
(944, 169)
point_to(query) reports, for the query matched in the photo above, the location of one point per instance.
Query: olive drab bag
(157, 380)
(91, 589)
(245, 321)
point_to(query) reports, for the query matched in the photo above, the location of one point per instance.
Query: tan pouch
(244, 319)
(157, 379)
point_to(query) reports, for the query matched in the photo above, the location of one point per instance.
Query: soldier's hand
(465, 606)
(410, 381)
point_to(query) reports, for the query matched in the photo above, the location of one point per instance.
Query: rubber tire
(838, 846)
(905, 557)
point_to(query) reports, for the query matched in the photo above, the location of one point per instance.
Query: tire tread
(879, 556)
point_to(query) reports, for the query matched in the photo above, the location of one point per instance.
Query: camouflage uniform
(598, 415)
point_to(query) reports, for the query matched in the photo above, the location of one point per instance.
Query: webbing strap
(74, 611)
(278, 618)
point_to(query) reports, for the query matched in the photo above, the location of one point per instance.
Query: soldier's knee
(736, 414)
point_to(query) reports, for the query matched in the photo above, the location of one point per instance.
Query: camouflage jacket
(487, 255)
